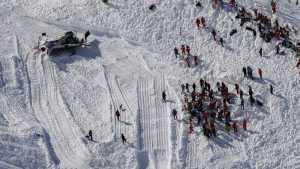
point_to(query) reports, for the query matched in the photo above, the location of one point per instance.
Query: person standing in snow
(211, 94)
(277, 49)
(235, 128)
(260, 52)
(90, 136)
(164, 96)
(212, 128)
(274, 6)
(182, 88)
(222, 42)
(245, 124)
(298, 64)
(174, 113)
(124, 140)
(207, 86)
(242, 104)
(249, 72)
(193, 95)
(203, 22)
(245, 71)
(191, 128)
(176, 52)
(196, 60)
(118, 115)
(194, 87)
(252, 100)
(198, 22)
(201, 83)
(250, 91)
(87, 33)
(215, 4)
(237, 88)
(214, 34)
(198, 4)
(188, 50)
(241, 94)
(187, 87)
(271, 89)
(218, 86)
(260, 73)
(121, 107)
(232, 3)
(183, 49)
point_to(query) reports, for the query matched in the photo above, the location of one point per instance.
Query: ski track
(154, 122)
(53, 115)
(18, 148)
(174, 126)
(118, 97)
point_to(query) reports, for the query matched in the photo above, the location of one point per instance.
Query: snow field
(130, 63)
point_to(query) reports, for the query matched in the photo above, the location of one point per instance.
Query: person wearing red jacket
(203, 22)
(274, 6)
(188, 49)
(298, 64)
(205, 116)
(183, 49)
(215, 3)
(260, 73)
(198, 22)
(232, 3)
(245, 124)
(191, 128)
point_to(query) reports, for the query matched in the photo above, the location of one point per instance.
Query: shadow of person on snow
(50, 148)
(170, 101)
(263, 81)
(126, 123)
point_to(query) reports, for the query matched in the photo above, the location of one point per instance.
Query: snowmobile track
(154, 121)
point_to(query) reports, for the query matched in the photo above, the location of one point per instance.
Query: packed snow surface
(48, 104)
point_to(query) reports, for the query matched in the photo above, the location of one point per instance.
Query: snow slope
(48, 105)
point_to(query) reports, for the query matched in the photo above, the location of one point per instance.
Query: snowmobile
(68, 42)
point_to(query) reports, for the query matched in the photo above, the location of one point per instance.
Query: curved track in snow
(53, 115)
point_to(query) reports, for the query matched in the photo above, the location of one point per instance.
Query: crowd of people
(186, 55)
(267, 30)
(205, 104)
